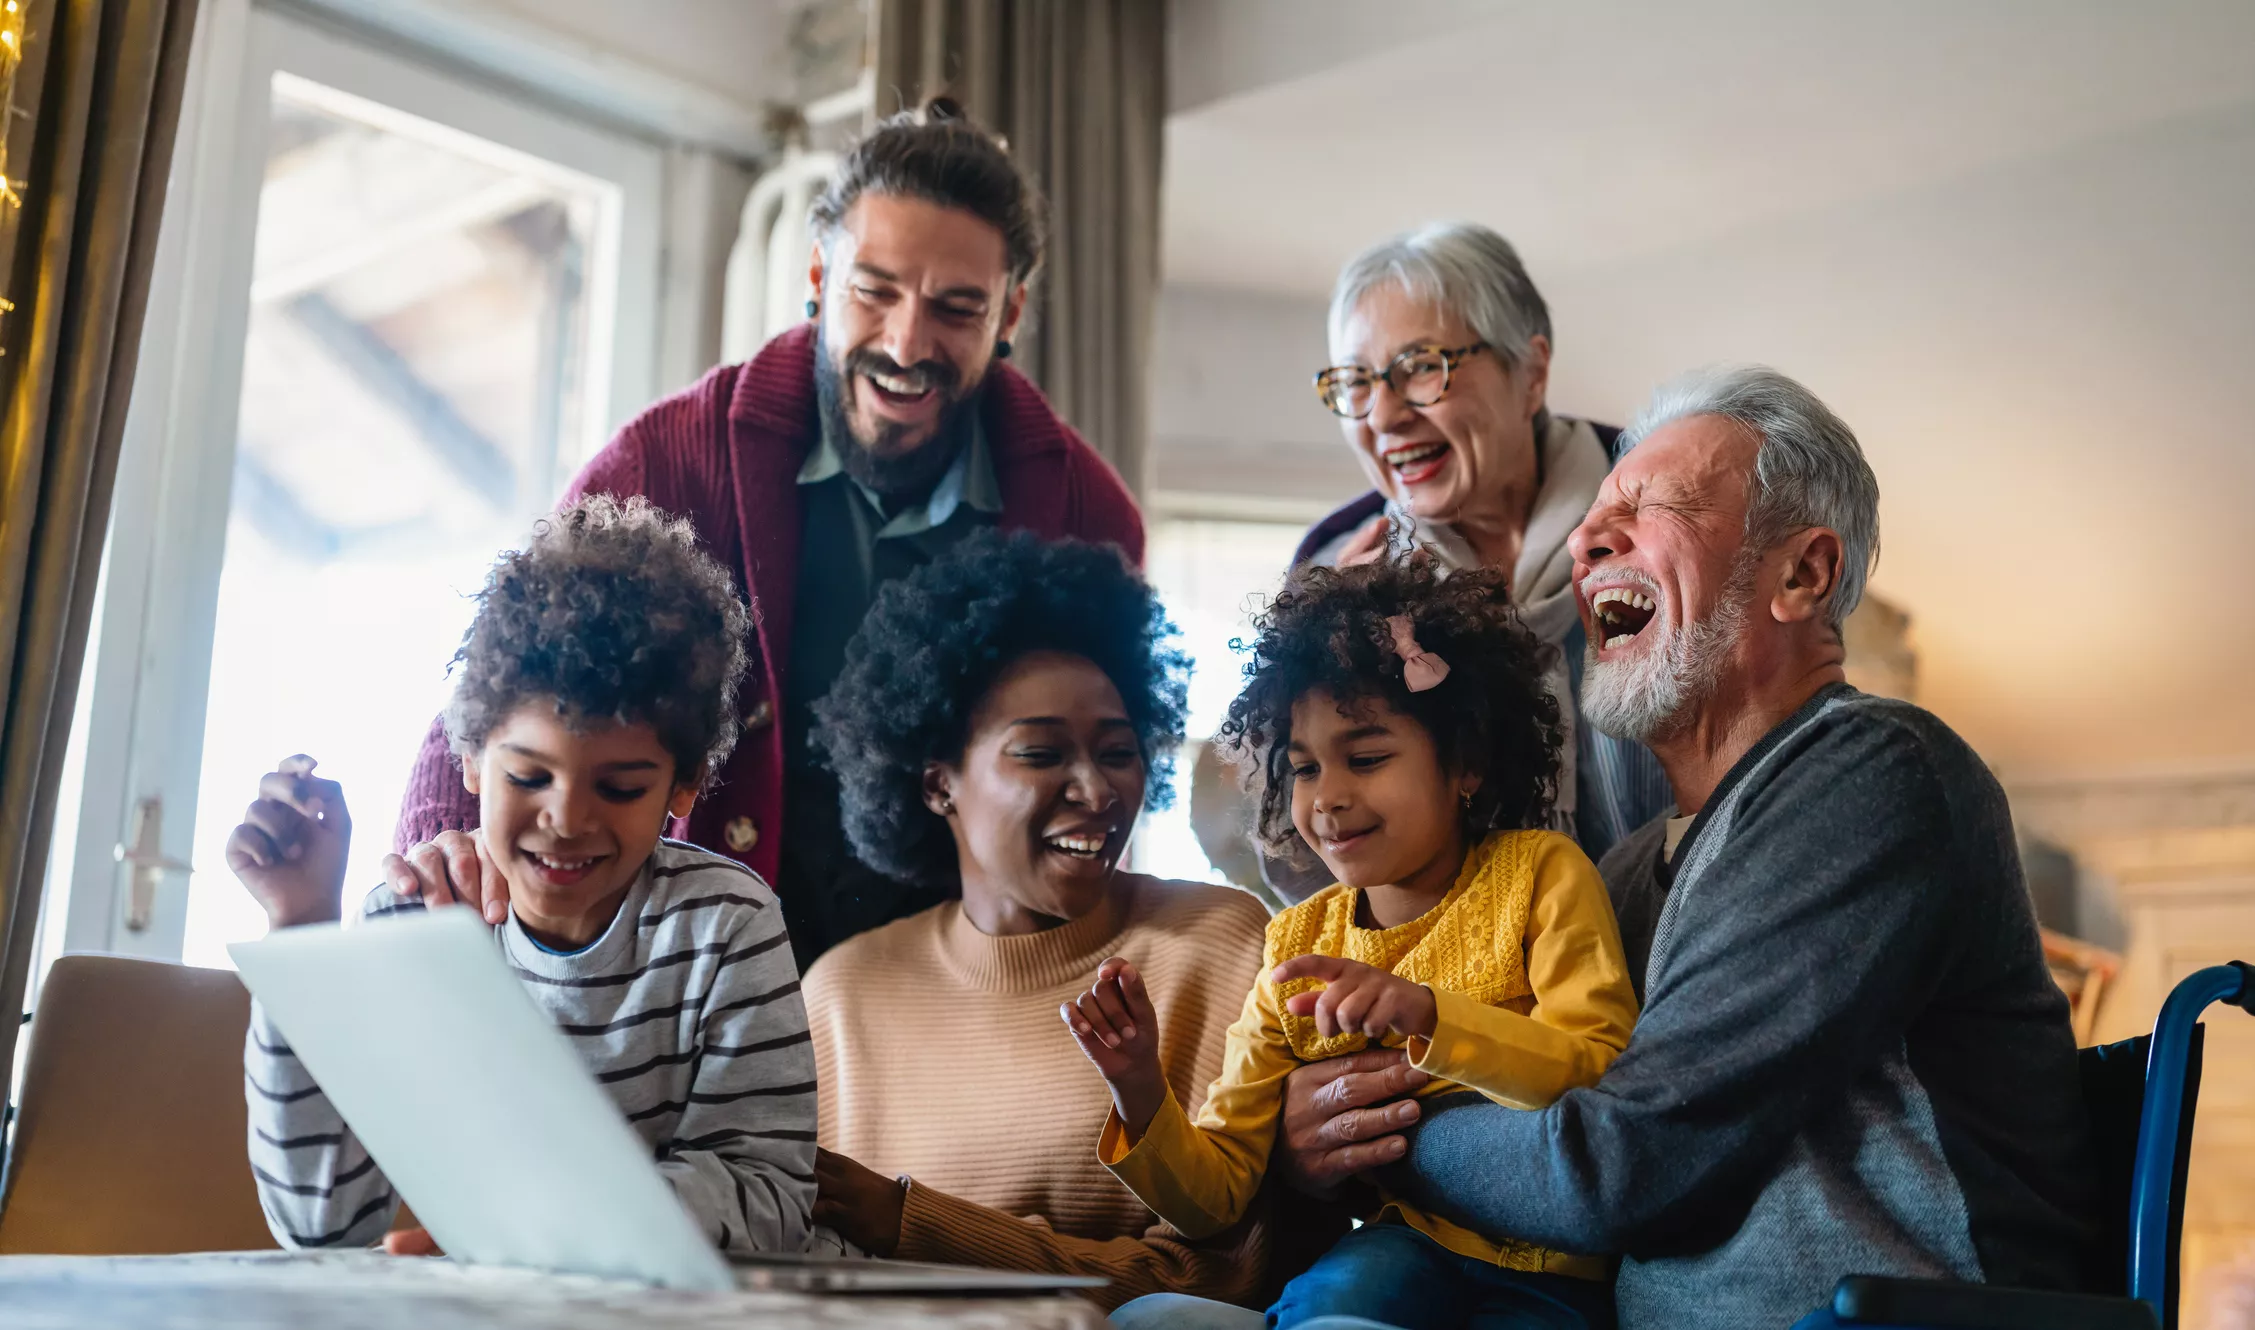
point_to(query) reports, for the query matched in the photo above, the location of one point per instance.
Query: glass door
(426, 305)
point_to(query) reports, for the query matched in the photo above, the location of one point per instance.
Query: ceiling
(1596, 133)
(2013, 243)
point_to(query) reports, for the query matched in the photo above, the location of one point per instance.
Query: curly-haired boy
(596, 696)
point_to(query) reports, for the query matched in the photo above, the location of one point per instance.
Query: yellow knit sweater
(940, 1055)
(1533, 999)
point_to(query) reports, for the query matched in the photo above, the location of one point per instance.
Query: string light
(12, 19)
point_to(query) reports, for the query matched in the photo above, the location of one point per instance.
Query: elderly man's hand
(1345, 1116)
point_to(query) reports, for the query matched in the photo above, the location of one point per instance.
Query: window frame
(147, 673)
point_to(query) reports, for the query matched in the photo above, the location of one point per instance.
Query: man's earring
(1002, 349)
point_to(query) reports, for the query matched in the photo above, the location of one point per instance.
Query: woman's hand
(1116, 1028)
(1358, 998)
(451, 868)
(290, 848)
(1366, 545)
(859, 1205)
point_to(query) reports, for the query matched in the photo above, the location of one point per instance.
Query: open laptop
(493, 1130)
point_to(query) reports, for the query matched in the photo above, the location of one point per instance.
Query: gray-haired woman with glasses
(1442, 347)
(1442, 350)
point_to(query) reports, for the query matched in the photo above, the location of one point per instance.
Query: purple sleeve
(435, 800)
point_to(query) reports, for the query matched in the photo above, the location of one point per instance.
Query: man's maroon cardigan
(726, 453)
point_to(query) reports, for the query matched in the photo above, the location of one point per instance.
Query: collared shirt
(849, 546)
(968, 479)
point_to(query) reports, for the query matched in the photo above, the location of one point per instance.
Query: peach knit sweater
(940, 1055)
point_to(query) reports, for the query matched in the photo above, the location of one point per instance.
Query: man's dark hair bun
(936, 152)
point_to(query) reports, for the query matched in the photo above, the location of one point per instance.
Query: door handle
(144, 850)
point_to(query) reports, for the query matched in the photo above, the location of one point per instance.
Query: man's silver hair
(1461, 268)
(1809, 471)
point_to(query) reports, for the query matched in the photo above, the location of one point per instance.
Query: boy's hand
(1115, 1026)
(1358, 998)
(290, 848)
(858, 1204)
(411, 1242)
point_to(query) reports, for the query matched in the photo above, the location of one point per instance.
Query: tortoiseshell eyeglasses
(1419, 376)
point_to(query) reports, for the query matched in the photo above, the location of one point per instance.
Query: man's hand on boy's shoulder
(451, 868)
(290, 847)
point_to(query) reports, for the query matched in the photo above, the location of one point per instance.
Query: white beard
(1649, 694)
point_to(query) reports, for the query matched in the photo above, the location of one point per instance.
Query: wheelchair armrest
(1937, 1304)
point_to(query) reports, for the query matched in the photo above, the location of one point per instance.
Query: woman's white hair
(1808, 472)
(1461, 268)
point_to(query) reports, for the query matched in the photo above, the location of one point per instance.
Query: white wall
(1217, 49)
(2046, 364)
(1232, 411)
(2042, 348)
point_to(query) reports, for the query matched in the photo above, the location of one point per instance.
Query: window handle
(145, 852)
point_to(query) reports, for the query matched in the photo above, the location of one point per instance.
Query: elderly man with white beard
(1852, 1058)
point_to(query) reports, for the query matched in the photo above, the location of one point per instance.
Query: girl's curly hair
(1493, 715)
(611, 613)
(933, 643)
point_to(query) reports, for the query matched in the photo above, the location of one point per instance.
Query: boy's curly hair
(1492, 716)
(611, 613)
(933, 643)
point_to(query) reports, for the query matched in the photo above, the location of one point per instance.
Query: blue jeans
(1393, 1274)
(1390, 1275)
(1180, 1311)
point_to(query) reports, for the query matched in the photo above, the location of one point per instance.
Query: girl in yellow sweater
(1398, 723)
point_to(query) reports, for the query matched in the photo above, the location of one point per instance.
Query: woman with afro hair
(1004, 715)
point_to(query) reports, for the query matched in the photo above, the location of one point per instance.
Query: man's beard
(1652, 694)
(882, 463)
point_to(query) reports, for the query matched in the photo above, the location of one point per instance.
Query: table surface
(363, 1290)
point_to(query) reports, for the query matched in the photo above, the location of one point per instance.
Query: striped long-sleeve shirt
(687, 1009)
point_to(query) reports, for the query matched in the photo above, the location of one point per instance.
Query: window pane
(1212, 577)
(415, 382)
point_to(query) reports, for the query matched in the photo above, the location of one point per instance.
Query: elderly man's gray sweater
(1852, 1057)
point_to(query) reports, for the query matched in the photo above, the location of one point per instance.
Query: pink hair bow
(1421, 669)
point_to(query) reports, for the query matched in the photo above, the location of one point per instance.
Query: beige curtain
(92, 96)
(1079, 89)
